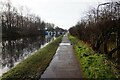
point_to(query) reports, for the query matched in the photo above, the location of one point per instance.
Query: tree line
(101, 29)
(15, 23)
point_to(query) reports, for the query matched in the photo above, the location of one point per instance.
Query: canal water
(13, 52)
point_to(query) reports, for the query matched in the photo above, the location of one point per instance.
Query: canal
(14, 51)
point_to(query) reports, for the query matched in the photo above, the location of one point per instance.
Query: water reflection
(14, 51)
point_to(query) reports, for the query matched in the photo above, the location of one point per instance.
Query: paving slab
(64, 63)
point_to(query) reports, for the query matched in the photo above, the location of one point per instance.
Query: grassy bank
(94, 65)
(33, 66)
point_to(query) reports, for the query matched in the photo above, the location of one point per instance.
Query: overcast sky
(63, 13)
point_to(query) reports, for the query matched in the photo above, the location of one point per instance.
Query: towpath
(64, 63)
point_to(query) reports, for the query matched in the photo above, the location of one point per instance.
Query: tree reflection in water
(14, 51)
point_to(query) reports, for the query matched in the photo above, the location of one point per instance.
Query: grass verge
(94, 65)
(33, 66)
